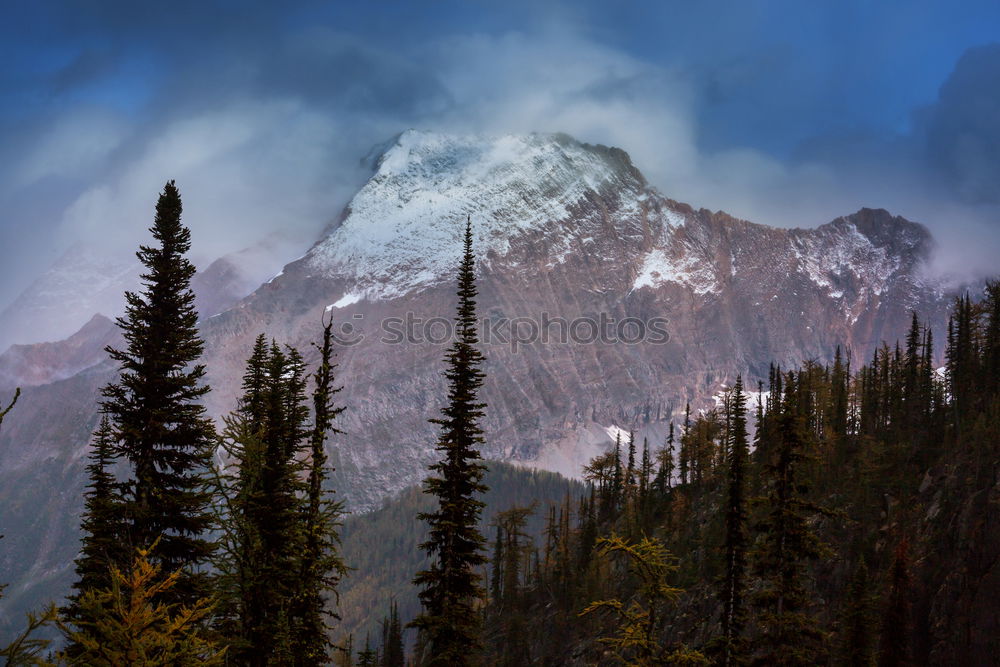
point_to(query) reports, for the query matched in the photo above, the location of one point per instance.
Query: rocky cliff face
(570, 237)
(571, 231)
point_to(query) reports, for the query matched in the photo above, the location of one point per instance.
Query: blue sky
(786, 113)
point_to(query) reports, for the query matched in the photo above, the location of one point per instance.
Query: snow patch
(657, 268)
(616, 433)
(345, 301)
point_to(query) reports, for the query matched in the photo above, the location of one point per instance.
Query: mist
(263, 114)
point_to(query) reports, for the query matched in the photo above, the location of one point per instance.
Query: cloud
(262, 116)
(962, 129)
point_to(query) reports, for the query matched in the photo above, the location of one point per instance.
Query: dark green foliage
(159, 423)
(280, 549)
(393, 653)
(858, 634)
(320, 565)
(367, 657)
(384, 544)
(102, 526)
(449, 625)
(736, 542)
(790, 635)
(507, 643)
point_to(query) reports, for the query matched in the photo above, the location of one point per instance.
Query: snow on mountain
(400, 232)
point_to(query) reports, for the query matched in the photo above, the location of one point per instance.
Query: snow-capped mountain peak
(402, 230)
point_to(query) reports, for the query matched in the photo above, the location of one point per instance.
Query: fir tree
(160, 426)
(281, 551)
(321, 567)
(858, 643)
(450, 592)
(684, 462)
(790, 636)
(367, 657)
(665, 469)
(101, 524)
(734, 580)
(393, 654)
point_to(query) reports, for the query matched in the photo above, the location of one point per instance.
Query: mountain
(566, 233)
(80, 284)
(573, 231)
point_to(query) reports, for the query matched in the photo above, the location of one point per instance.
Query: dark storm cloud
(786, 113)
(963, 127)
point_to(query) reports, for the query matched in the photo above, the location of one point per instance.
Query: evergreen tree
(101, 524)
(367, 657)
(160, 426)
(393, 654)
(281, 550)
(320, 567)
(665, 469)
(449, 624)
(858, 644)
(684, 462)
(790, 635)
(734, 580)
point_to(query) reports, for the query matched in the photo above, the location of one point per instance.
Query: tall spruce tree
(102, 545)
(857, 636)
(320, 566)
(790, 635)
(280, 553)
(736, 539)
(159, 423)
(449, 623)
(393, 654)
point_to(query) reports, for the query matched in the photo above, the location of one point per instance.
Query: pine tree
(858, 643)
(684, 462)
(450, 592)
(321, 567)
(734, 580)
(665, 469)
(160, 426)
(392, 640)
(281, 549)
(790, 636)
(367, 657)
(101, 524)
